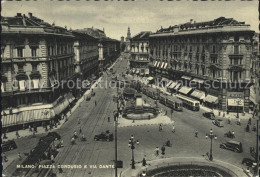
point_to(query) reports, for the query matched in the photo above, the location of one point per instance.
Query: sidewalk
(232, 169)
(40, 130)
(218, 113)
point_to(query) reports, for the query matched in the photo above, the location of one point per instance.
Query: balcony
(236, 67)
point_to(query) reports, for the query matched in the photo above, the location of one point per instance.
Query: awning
(164, 79)
(146, 71)
(150, 78)
(165, 66)
(185, 90)
(177, 86)
(61, 106)
(252, 95)
(186, 77)
(235, 102)
(36, 83)
(211, 99)
(158, 64)
(173, 84)
(2, 87)
(162, 64)
(169, 83)
(22, 85)
(200, 81)
(155, 63)
(198, 94)
(70, 97)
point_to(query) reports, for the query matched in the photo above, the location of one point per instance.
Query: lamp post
(211, 136)
(238, 103)
(131, 144)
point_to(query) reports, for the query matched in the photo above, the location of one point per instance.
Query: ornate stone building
(37, 61)
(216, 55)
(140, 53)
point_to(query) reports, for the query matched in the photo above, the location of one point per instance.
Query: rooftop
(142, 35)
(30, 25)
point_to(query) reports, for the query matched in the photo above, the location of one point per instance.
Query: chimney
(30, 15)
(19, 15)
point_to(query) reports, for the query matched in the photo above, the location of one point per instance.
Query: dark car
(218, 122)
(9, 145)
(232, 145)
(104, 136)
(209, 115)
(248, 162)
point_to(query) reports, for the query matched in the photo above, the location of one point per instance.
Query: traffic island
(185, 166)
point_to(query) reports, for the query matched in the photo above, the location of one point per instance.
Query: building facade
(139, 60)
(216, 52)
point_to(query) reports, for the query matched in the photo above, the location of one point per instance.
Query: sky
(140, 15)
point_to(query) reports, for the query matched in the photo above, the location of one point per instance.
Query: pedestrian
(95, 103)
(229, 120)
(238, 121)
(108, 119)
(30, 128)
(17, 134)
(144, 161)
(61, 143)
(33, 135)
(4, 157)
(160, 127)
(163, 150)
(173, 129)
(19, 156)
(5, 137)
(233, 134)
(52, 158)
(78, 120)
(196, 133)
(249, 121)
(75, 135)
(80, 131)
(60, 169)
(156, 151)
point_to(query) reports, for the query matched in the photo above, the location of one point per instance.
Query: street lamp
(131, 144)
(211, 136)
(238, 103)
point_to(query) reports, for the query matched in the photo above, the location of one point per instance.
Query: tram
(189, 103)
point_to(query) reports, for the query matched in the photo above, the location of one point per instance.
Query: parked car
(9, 145)
(218, 122)
(209, 115)
(232, 145)
(104, 136)
(248, 162)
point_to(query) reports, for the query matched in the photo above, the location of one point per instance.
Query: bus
(189, 103)
(174, 103)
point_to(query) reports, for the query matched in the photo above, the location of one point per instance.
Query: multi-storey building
(37, 60)
(108, 49)
(215, 55)
(86, 55)
(140, 53)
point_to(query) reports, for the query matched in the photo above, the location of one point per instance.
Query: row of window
(198, 38)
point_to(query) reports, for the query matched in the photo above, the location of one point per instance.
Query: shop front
(235, 102)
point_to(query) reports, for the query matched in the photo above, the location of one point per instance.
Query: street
(94, 120)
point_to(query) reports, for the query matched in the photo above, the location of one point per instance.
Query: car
(248, 162)
(104, 136)
(8, 145)
(218, 122)
(209, 115)
(232, 145)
